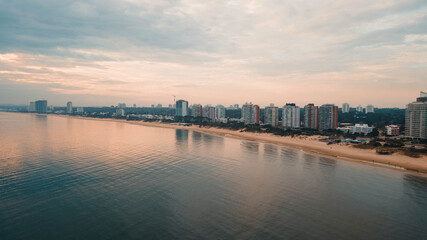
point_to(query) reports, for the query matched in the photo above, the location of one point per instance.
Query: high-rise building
(250, 113)
(328, 116)
(159, 105)
(219, 112)
(69, 107)
(359, 109)
(247, 113)
(209, 112)
(346, 108)
(369, 108)
(236, 106)
(311, 116)
(256, 114)
(197, 110)
(416, 118)
(291, 116)
(80, 110)
(134, 105)
(271, 115)
(181, 108)
(32, 107)
(41, 106)
(121, 105)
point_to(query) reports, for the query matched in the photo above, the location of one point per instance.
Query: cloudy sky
(101, 52)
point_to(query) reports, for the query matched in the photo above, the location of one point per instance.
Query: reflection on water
(270, 149)
(327, 161)
(251, 146)
(196, 136)
(181, 135)
(310, 160)
(66, 178)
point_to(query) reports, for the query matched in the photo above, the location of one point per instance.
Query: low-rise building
(392, 130)
(361, 129)
(120, 112)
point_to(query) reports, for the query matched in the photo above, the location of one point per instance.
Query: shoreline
(307, 144)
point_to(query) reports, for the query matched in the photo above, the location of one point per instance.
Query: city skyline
(94, 53)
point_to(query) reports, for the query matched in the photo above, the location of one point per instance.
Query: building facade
(359, 109)
(220, 112)
(197, 110)
(250, 113)
(271, 115)
(291, 116)
(361, 129)
(80, 110)
(392, 130)
(369, 108)
(41, 106)
(32, 107)
(120, 112)
(181, 108)
(328, 117)
(311, 116)
(209, 113)
(416, 118)
(346, 108)
(69, 107)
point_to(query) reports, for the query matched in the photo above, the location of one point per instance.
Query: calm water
(64, 178)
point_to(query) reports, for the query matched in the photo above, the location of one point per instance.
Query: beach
(308, 144)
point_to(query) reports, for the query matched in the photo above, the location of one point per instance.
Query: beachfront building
(120, 112)
(291, 116)
(392, 130)
(181, 108)
(209, 112)
(328, 117)
(361, 129)
(32, 107)
(41, 106)
(416, 118)
(69, 107)
(345, 108)
(80, 110)
(271, 115)
(345, 129)
(219, 112)
(369, 108)
(197, 110)
(311, 116)
(250, 113)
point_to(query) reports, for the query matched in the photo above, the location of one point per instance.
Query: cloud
(150, 50)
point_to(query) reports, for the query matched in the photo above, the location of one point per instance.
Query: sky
(102, 52)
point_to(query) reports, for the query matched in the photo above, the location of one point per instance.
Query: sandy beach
(308, 144)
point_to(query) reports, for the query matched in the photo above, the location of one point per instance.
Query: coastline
(308, 144)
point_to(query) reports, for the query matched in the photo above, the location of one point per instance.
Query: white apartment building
(291, 116)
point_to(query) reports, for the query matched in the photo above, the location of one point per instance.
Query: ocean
(72, 178)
